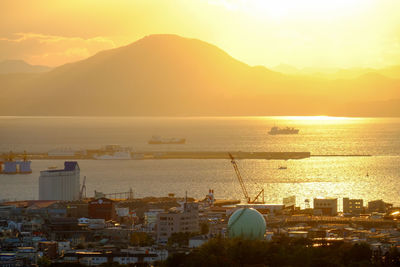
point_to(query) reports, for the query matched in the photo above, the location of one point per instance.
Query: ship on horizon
(288, 130)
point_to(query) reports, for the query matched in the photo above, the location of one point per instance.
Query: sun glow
(295, 9)
(306, 120)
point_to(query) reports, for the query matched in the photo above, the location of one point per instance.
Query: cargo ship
(288, 130)
(156, 140)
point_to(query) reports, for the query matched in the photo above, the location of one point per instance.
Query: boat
(288, 130)
(156, 140)
(282, 168)
(115, 155)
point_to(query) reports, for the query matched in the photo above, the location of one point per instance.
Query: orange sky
(302, 33)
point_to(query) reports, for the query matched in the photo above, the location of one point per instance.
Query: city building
(150, 218)
(327, 206)
(60, 184)
(379, 206)
(177, 221)
(353, 206)
(49, 249)
(263, 208)
(102, 208)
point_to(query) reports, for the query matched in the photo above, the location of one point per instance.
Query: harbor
(147, 155)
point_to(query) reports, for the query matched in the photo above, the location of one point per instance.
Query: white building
(328, 206)
(60, 184)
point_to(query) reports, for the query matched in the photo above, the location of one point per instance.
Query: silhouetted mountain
(20, 66)
(169, 75)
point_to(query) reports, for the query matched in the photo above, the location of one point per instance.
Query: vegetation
(43, 261)
(67, 264)
(180, 239)
(141, 239)
(281, 252)
(204, 228)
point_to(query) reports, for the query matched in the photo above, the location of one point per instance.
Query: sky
(302, 33)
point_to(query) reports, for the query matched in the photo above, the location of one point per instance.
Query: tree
(44, 261)
(282, 251)
(204, 228)
(181, 239)
(141, 239)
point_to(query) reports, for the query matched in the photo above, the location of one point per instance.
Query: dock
(145, 155)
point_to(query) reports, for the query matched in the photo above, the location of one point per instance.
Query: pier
(146, 155)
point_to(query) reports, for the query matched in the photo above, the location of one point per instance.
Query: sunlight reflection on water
(308, 178)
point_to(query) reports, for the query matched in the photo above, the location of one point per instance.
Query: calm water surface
(307, 178)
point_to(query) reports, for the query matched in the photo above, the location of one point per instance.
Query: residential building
(176, 221)
(353, 206)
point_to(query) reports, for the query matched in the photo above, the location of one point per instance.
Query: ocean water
(307, 178)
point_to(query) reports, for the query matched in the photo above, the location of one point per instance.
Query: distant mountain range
(20, 66)
(332, 73)
(168, 75)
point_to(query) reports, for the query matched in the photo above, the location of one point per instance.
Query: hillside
(168, 75)
(20, 66)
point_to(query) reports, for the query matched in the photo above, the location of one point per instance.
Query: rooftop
(68, 166)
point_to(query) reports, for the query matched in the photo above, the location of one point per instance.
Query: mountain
(20, 66)
(168, 75)
(333, 74)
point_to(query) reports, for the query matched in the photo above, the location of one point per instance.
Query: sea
(367, 177)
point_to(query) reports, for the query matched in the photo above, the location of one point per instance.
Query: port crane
(82, 193)
(243, 186)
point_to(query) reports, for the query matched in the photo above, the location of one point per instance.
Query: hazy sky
(302, 33)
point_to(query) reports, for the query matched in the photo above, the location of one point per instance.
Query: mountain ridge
(169, 75)
(20, 66)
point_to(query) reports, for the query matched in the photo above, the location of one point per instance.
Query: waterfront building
(353, 206)
(175, 221)
(24, 166)
(60, 184)
(263, 208)
(10, 167)
(328, 206)
(14, 167)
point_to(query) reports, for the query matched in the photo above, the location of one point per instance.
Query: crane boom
(243, 186)
(239, 176)
(83, 188)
